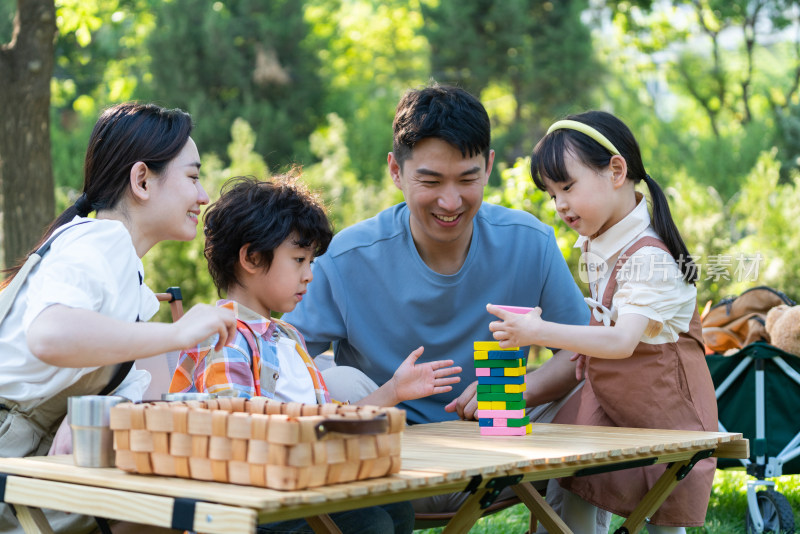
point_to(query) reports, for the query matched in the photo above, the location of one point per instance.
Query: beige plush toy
(783, 327)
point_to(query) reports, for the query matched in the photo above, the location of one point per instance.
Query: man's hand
(466, 404)
(580, 365)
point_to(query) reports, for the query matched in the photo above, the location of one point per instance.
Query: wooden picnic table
(436, 458)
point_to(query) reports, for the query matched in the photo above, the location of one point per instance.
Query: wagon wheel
(775, 511)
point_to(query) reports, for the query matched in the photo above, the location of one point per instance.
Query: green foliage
(707, 141)
(7, 10)
(347, 200)
(538, 51)
(370, 53)
(242, 58)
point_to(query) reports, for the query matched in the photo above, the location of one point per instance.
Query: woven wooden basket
(258, 442)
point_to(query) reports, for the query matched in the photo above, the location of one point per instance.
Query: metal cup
(92, 439)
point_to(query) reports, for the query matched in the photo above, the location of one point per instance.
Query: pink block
(483, 371)
(503, 431)
(499, 422)
(501, 414)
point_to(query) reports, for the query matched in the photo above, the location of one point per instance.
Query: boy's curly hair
(261, 214)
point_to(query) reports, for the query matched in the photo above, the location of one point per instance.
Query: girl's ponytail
(666, 229)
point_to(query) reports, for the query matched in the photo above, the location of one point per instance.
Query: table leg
(540, 509)
(659, 493)
(323, 524)
(33, 520)
(467, 515)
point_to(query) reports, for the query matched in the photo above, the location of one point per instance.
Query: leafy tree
(100, 60)
(370, 53)
(537, 52)
(737, 60)
(26, 173)
(242, 58)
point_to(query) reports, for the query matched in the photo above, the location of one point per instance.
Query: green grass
(726, 509)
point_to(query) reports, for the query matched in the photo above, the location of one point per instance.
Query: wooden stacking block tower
(501, 384)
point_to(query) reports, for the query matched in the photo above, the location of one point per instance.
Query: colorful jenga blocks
(501, 383)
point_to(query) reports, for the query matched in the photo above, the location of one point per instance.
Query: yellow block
(485, 405)
(481, 354)
(514, 388)
(513, 371)
(490, 345)
(528, 428)
(498, 405)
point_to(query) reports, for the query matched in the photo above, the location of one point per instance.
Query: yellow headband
(585, 129)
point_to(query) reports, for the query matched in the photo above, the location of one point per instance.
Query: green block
(500, 363)
(486, 388)
(515, 405)
(518, 422)
(505, 397)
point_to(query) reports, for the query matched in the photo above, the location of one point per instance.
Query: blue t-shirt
(376, 300)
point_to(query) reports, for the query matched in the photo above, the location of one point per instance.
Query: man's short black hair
(443, 112)
(261, 214)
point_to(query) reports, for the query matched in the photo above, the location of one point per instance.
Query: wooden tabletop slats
(435, 457)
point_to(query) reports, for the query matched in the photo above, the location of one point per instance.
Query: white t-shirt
(295, 384)
(91, 266)
(650, 284)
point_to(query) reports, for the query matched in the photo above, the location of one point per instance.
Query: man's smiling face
(443, 191)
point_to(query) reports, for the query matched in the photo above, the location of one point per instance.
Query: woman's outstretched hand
(203, 321)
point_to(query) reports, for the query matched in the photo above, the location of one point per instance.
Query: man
(421, 273)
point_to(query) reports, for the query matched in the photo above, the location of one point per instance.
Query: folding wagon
(758, 394)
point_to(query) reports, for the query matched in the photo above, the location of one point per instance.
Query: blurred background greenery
(709, 87)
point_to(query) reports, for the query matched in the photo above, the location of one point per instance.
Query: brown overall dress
(660, 386)
(28, 428)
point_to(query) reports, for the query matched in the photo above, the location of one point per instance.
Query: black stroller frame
(770, 422)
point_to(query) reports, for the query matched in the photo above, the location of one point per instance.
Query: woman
(79, 314)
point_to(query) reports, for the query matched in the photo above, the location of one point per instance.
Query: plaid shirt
(248, 366)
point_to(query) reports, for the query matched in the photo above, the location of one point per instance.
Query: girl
(78, 314)
(643, 352)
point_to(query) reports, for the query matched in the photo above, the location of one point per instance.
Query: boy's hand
(466, 404)
(580, 365)
(203, 321)
(413, 381)
(514, 329)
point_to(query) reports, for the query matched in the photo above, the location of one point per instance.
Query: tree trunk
(27, 197)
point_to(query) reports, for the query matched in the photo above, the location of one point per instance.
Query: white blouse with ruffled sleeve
(651, 283)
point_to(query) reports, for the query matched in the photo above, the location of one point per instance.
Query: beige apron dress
(28, 428)
(667, 386)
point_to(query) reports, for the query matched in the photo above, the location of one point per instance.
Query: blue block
(501, 379)
(506, 354)
(485, 421)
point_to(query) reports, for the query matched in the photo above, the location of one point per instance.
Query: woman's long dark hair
(123, 135)
(548, 161)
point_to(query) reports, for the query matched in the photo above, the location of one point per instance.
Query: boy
(261, 238)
